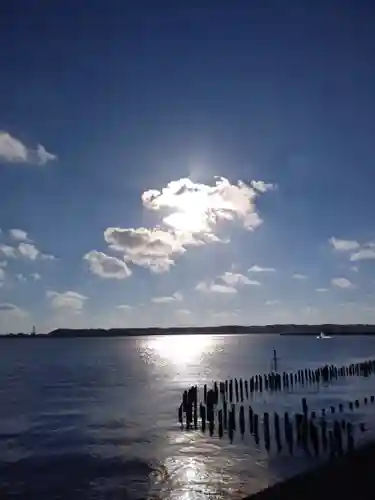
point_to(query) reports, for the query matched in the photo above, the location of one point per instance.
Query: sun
(191, 220)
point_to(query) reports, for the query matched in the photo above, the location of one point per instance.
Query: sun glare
(180, 349)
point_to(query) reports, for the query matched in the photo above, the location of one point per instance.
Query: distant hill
(329, 329)
(291, 329)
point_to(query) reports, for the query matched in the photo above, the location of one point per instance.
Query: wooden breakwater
(222, 410)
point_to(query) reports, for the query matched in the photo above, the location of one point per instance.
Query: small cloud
(176, 297)
(107, 267)
(262, 186)
(20, 277)
(66, 300)
(3, 263)
(12, 150)
(12, 310)
(233, 279)
(364, 254)
(259, 269)
(344, 245)
(342, 283)
(215, 288)
(43, 155)
(28, 251)
(18, 235)
(298, 276)
(8, 251)
(2, 274)
(354, 269)
(124, 307)
(321, 290)
(272, 302)
(36, 276)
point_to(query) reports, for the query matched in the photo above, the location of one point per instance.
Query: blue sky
(185, 164)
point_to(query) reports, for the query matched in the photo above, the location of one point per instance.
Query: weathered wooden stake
(242, 420)
(251, 420)
(266, 428)
(277, 431)
(220, 415)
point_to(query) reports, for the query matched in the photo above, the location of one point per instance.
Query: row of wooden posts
(236, 390)
(303, 430)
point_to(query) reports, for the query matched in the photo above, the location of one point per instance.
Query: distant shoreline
(284, 330)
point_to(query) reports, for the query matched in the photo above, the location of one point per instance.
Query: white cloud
(272, 302)
(215, 288)
(12, 310)
(354, 269)
(321, 290)
(298, 276)
(363, 254)
(198, 207)
(124, 307)
(189, 215)
(66, 300)
(263, 186)
(3, 263)
(20, 277)
(8, 251)
(2, 274)
(28, 250)
(344, 245)
(13, 150)
(43, 155)
(18, 234)
(107, 267)
(36, 276)
(233, 279)
(176, 297)
(152, 248)
(259, 269)
(341, 283)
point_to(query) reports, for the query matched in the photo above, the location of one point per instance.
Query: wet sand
(348, 477)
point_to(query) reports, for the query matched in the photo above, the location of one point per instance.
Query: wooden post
(357, 403)
(251, 420)
(220, 414)
(195, 417)
(256, 427)
(203, 417)
(236, 389)
(260, 383)
(266, 428)
(304, 407)
(332, 409)
(338, 437)
(225, 412)
(252, 384)
(247, 389)
(350, 438)
(277, 431)
(323, 425)
(231, 390)
(351, 405)
(341, 408)
(234, 416)
(314, 437)
(241, 390)
(205, 394)
(242, 421)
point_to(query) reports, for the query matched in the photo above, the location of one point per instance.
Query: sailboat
(322, 335)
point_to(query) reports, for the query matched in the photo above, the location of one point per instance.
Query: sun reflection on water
(177, 349)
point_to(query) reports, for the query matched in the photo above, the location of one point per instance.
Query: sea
(96, 418)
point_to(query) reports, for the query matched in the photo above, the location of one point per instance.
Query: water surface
(97, 418)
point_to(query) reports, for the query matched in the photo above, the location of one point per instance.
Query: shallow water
(97, 418)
